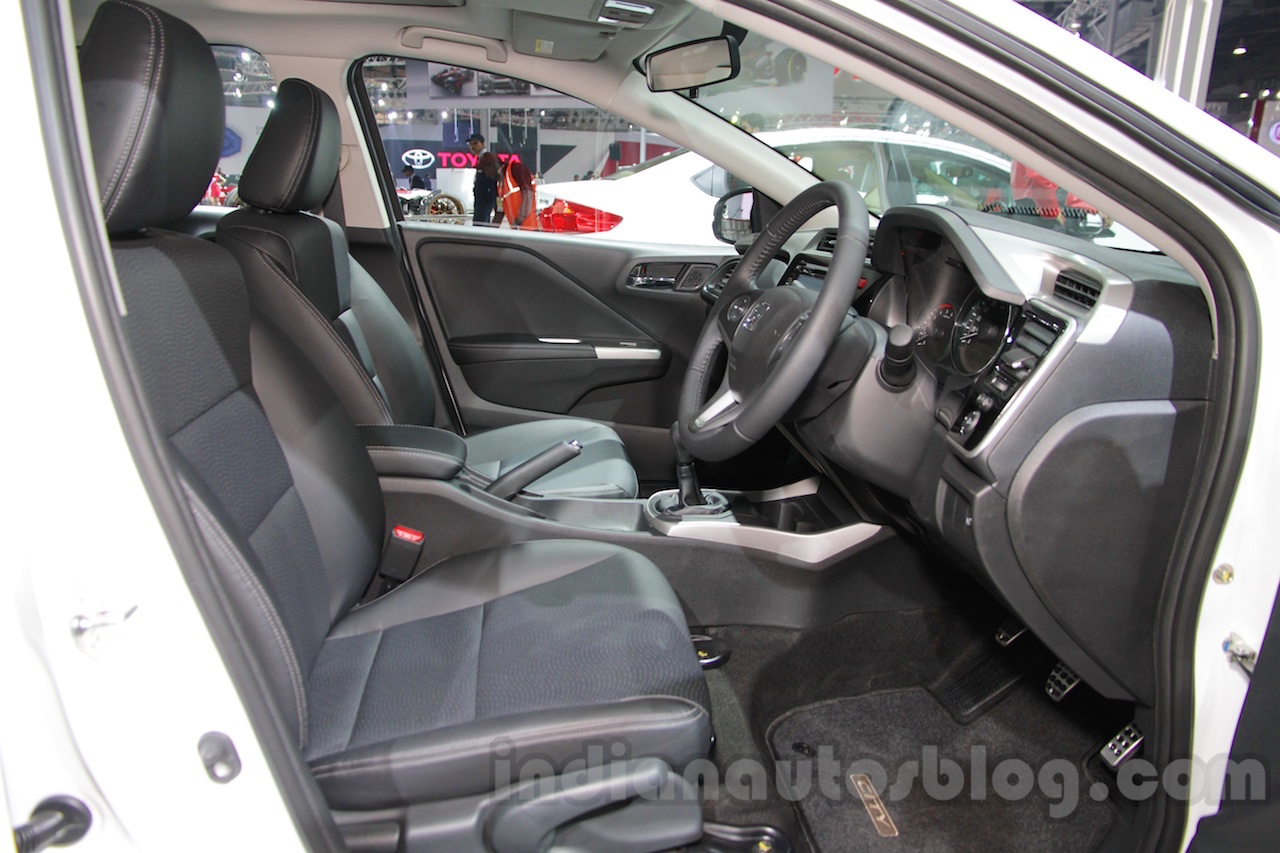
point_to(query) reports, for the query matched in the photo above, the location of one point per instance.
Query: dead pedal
(1061, 682)
(712, 653)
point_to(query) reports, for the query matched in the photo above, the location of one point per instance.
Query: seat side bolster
(462, 760)
(277, 296)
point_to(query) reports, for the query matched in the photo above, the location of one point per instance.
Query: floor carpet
(891, 728)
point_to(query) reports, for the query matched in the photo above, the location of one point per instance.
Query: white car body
(116, 725)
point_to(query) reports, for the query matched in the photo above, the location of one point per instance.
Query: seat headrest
(153, 99)
(295, 162)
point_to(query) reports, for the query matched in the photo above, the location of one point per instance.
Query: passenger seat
(301, 275)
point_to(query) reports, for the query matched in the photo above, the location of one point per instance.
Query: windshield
(839, 127)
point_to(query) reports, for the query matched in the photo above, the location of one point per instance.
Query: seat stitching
(422, 753)
(413, 451)
(128, 159)
(411, 426)
(292, 288)
(218, 536)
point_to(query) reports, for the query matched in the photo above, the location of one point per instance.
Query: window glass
(1243, 85)
(840, 127)
(249, 91)
(459, 139)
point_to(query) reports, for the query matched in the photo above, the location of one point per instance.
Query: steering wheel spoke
(725, 402)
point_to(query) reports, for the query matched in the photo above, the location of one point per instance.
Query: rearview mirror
(692, 64)
(732, 217)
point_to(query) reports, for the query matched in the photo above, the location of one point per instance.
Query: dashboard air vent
(715, 285)
(1078, 289)
(827, 242)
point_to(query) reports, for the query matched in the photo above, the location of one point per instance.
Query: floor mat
(942, 786)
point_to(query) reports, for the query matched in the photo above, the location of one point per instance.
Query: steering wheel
(776, 337)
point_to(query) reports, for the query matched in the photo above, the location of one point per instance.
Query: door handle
(651, 282)
(655, 276)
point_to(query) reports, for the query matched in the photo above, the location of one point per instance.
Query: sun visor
(559, 38)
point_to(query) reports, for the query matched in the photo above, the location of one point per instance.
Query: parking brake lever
(510, 483)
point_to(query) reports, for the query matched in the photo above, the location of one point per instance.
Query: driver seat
(529, 651)
(301, 275)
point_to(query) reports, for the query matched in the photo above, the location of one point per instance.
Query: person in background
(485, 190)
(516, 188)
(416, 181)
(1039, 195)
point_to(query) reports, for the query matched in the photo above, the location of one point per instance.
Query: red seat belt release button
(400, 555)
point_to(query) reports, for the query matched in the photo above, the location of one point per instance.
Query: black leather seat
(301, 275)
(532, 649)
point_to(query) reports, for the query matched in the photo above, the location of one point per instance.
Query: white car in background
(670, 198)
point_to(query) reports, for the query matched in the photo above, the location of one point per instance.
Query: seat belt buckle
(400, 554)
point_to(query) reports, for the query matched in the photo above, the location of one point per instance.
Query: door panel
(536, 324)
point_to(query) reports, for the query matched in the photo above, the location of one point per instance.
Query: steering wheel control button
(968, 423)
(755, 315)
(737, 310)
(899, 365)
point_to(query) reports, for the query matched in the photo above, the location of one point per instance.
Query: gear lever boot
(688, 499)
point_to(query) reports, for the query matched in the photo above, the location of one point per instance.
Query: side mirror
(732, 217)
(692, 64)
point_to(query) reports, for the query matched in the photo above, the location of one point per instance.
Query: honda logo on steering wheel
(418, 158)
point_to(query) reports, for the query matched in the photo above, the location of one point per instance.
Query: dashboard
(1047, 441)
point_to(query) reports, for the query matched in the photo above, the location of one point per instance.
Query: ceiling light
(384, 87)
(381, 102)
(408, 116)
(271, 105)
(1244, 94)
(1239, 49)
(244, 56)
(393, 115)
(1265, 93)
(444, 114)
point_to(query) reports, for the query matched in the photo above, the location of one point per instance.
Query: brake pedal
(1011, 630)
(711, 652)
(1061, 682)
(1125, 745)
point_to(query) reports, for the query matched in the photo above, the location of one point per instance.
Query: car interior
(531, 553)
